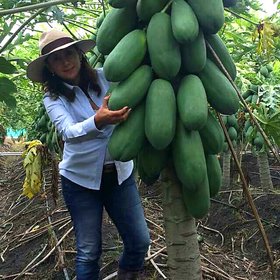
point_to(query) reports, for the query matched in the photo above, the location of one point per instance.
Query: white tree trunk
(265, 177)
(226, 169)
(180, 232)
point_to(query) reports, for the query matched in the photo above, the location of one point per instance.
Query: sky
(268, 6)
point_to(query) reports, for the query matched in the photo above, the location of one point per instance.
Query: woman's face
(66, 64)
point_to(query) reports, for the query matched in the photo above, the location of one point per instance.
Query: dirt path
(231, 245)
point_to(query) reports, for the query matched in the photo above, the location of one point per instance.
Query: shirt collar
(70, 86)
(74, 87)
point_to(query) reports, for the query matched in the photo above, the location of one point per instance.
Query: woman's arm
(89, 128)
(67, 127)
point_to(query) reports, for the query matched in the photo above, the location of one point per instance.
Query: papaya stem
(240, 16)
(78, 24)
(20, 28)
(103, 8)
(97, 60)
(166, 6)
(34, 7)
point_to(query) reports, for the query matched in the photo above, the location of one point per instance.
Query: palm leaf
(269, 123)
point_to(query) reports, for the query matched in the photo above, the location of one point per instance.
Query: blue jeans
(123, 205)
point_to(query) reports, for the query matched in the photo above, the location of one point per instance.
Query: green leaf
(6, 67)
(273, 127)
(270, 124)
(6, 86)
(9, 99)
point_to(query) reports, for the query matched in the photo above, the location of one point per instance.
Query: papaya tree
(262, 95)
(174, 50)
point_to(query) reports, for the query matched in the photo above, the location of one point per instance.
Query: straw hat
(50, 42)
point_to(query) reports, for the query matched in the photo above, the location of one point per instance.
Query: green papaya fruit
(160, 116)
(197, 202)
(188, 158)
(220, 92)
(212, 135)
(214, 173)
(117, 24)
(126, 56)
(147, 8)
(122, 3)
(194, 54)
(223, 54)
(192, 103)
(264, 71)
(184, 23)
(128, 137)
(210, 15)
(163, 49)
(131, 91)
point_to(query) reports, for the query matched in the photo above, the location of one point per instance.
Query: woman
(76, 102)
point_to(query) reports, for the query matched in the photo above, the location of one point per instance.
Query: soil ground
(37, 242)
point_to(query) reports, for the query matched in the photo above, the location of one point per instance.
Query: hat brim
(35, 68)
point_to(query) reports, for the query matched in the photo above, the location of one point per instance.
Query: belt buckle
(109, 168)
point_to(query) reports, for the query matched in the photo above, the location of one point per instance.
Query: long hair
(55, 86)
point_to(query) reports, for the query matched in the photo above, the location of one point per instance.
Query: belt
(109, 168)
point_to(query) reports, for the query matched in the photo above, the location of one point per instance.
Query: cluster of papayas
(232, 126)
(251, 95)
(266, 70)
(46, 131)
(253, 136)
(156, 54)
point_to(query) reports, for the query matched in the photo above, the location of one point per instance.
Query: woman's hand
(105, 116)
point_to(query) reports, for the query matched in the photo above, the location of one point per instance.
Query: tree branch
(240, 16)
(34, 7)
(20, 28)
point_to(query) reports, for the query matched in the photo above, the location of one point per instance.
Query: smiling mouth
(68, 70)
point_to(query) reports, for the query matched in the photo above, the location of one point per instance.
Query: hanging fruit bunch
(254, 137)
(46, 132)
(232, 126)
(265, 71)
(251, 95)
(157, 53)
(263, 100)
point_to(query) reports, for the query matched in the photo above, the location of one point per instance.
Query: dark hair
(55, 86)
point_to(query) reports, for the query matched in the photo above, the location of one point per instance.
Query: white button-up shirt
(85, 146)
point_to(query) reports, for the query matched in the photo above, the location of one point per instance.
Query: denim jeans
(123, 205)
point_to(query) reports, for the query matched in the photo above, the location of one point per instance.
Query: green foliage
(269, 122)
(7, 87)
(6, 67)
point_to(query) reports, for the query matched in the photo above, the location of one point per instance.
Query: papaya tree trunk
(265, 177)
(226, 169)
(239, 154)
(180, 231)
